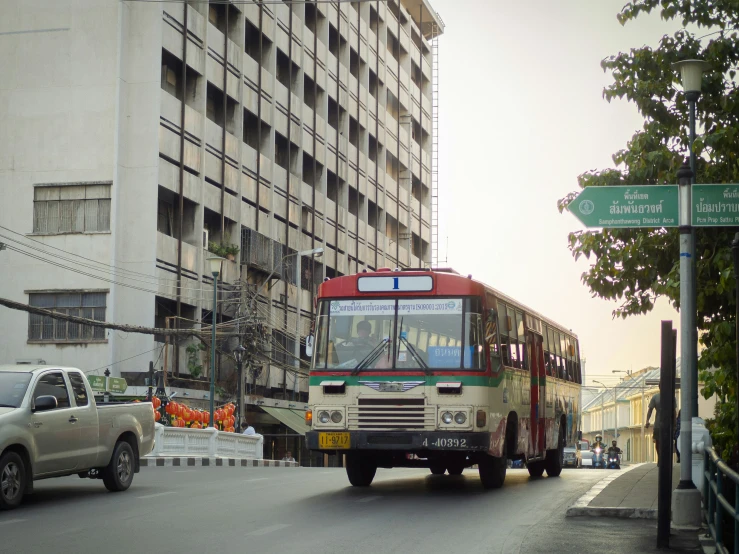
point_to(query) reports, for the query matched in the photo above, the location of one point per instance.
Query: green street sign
(621, 207)
(715, 205)
(97, 382)
(117, 384)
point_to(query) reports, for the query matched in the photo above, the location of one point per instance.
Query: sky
(521, 116)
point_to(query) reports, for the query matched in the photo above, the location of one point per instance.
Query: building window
(90, 305)
(71, 209)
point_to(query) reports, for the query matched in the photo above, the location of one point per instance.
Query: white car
(584, 454)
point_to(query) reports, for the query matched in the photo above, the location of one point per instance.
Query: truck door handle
(73, 419)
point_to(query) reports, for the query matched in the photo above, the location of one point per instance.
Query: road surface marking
(157, 494)
(259, 479)
(12, 521)
(266, 530)
(369, 499)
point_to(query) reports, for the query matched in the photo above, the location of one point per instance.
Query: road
(280, 510)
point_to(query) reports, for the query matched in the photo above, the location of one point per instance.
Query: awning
(294, 419)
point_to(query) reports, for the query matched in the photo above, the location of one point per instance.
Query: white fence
(177, 441)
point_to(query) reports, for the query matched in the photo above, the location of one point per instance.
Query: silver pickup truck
(50, 426)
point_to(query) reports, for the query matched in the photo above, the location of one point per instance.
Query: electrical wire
(255, 2)
(119, 361)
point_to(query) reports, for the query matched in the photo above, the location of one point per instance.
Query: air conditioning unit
(30, 361)
(205, 238)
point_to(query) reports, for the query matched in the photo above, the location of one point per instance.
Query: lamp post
(602, 409)
(239, 355)
(686, 499)
(215, 270)
(317, 253)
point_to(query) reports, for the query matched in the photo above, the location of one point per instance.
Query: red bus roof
(446, 282)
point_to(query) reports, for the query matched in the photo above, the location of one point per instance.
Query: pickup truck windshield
(13, 388)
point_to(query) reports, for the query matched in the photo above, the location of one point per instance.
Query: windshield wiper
(371, 357)
(7, 406)
(415, 354)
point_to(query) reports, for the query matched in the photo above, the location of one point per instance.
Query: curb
(581, 507)
(171, 461)
(603, 511)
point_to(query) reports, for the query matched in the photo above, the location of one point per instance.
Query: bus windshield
(388, 334)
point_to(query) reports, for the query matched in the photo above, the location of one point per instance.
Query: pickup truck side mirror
(45, 403)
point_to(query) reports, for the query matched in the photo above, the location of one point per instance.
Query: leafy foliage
(194, 367)
(635, 266)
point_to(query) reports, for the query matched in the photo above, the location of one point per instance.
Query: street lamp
(215, 270)
(239, 355)
(687, 498)
(602, 408)
(316, 253)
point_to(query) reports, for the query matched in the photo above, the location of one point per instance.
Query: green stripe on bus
(431, 380)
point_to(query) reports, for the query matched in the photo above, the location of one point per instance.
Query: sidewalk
(629, 493)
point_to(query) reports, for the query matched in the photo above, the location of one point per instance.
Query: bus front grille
(397, 414)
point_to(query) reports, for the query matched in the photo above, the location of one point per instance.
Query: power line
(120, 361)
(93, 322)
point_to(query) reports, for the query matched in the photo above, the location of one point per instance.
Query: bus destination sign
(399, 283)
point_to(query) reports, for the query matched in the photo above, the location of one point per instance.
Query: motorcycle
(598, 461)
(613, 461)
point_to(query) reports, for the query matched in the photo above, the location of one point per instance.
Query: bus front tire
(437, 469)
(360, 469)
(492, 471)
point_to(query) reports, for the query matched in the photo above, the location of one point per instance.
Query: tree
(636, 266)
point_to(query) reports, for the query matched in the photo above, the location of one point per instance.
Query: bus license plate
(449, 441)
(333, 440)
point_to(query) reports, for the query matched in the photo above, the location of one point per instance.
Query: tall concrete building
(306, 125)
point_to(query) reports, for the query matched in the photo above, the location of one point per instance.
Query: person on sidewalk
(288, 457)
(654, 406)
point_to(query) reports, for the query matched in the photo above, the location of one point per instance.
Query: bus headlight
(446, 417)
(323, 417)
(336, 416)
(460, 418)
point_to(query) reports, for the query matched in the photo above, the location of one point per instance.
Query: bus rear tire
(360, 469)
(536, 469)
(492, 471)
(554, 457)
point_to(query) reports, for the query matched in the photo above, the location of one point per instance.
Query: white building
(106, 205)
(626, 423)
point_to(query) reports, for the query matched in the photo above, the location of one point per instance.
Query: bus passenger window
(522, 343)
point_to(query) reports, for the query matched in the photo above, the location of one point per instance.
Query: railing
(175, 441)
(717, 478)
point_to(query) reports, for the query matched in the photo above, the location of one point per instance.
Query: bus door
(535, 347)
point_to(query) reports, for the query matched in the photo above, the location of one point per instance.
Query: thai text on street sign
(715, 205)
(117, 384)
(97, 382)
(623, 207)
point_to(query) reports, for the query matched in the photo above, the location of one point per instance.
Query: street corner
(583, 506)
(207, 462)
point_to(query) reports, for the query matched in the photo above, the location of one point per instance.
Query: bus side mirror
(309, 346)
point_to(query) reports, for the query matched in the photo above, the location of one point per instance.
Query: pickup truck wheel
(118, 475)
(12, 480)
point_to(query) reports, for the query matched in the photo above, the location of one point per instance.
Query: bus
(428, 368)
